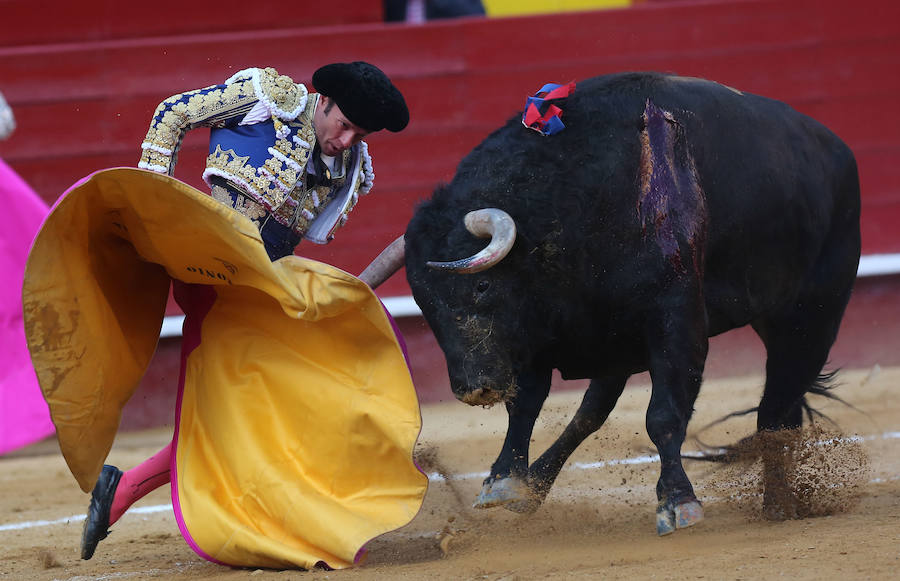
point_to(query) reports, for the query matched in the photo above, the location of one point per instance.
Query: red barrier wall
(59, 21)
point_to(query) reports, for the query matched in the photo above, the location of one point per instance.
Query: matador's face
(334, 132)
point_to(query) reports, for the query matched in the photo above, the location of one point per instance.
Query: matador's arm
(217, 105)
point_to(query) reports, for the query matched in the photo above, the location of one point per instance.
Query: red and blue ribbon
(542, 117)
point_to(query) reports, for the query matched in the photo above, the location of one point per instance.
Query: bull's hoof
(680, 516)
(510, 493)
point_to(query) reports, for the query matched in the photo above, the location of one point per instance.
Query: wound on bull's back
(671, 203)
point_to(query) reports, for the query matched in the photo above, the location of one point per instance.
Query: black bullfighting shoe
(97, 521)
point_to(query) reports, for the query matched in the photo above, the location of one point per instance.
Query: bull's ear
(490, 223)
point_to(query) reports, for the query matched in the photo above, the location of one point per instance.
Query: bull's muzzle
(486, 394)
(482, 396)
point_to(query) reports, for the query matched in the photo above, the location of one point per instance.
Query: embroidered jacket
(261, 138)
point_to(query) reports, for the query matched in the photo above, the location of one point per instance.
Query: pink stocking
(141, 480)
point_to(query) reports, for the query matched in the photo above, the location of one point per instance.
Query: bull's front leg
(599, 400)
(677, 355)
(507, 482)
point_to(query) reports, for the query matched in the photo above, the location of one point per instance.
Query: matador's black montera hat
(365, 95)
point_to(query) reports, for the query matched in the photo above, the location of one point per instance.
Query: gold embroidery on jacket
(271, 183)
(211, 106)
(286, 165)
(240, 202)
(311, 201)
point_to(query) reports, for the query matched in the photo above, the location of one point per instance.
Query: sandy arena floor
(597, 523)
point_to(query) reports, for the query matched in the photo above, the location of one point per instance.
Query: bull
(668, 210)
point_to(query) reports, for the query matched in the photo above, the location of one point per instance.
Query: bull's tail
(823, 386)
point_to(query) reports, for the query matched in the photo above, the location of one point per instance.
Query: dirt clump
(47, 558)
(817, 472)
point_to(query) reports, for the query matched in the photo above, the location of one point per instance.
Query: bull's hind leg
(507, 482)
(678, 348)
(798, 339)
(797, 345)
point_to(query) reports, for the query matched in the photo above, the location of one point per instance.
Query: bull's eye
(483, 285)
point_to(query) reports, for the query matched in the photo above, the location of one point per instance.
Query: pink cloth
(24, 417)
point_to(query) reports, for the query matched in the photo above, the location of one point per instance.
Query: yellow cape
(297, 414)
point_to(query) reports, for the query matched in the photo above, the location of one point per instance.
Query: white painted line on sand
(78, 518)
(437, 477)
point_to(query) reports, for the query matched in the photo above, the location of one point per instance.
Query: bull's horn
(484, 223)
(385, 264)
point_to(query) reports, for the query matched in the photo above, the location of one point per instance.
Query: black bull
(669, 210)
